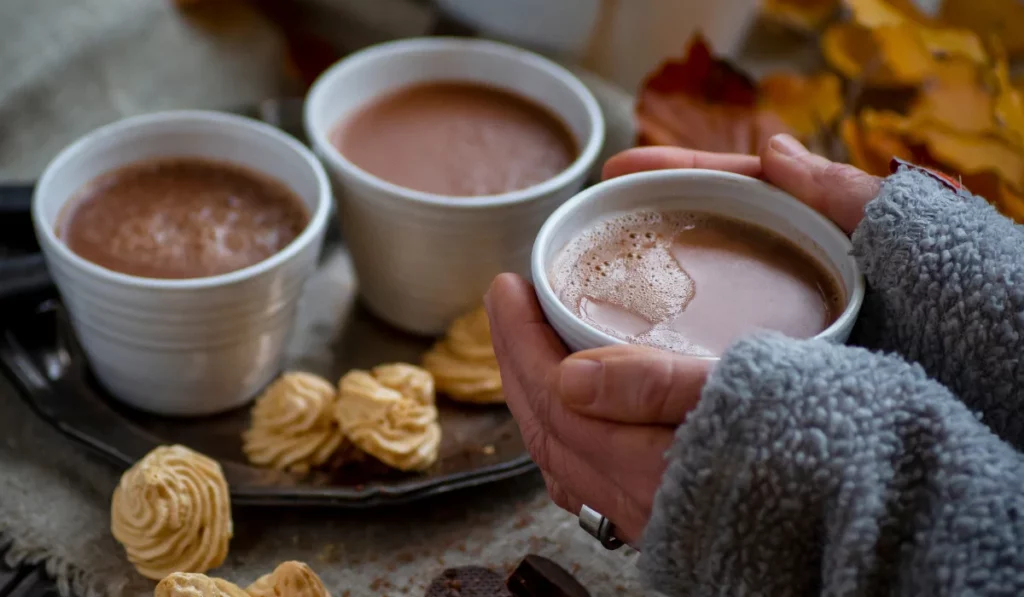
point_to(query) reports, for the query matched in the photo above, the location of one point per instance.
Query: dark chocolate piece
(537, 576)
(467, 581)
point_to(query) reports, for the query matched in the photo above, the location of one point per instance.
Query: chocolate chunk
(537, 576)
(467, 581)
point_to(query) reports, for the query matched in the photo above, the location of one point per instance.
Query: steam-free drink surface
(177, 218)
(692, 282)
(456, 139)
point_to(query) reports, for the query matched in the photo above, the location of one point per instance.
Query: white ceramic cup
(738, 197)
(195, 346)
(423, 259)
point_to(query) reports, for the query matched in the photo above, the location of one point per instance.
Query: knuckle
(537, 444)
(656, 390)
(835, 172)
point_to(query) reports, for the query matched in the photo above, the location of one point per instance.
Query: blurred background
(71, 66)
(933, 81)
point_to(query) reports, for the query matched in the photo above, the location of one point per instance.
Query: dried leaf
(1003, 19)
(1010, 202)
(872, 14)
(701, 75)
(957, 99)
(972, 154)
(870, 149)
(1009, 103)
(703, 103)
(808, 15)
(806, 104)
(850, 49)
(686, 122)
(887, 57)
(891, 47)
(953, 43)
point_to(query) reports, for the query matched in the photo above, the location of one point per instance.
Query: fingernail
(578, 381)
(787, 145)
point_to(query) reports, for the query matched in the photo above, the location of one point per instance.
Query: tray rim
(29, 381)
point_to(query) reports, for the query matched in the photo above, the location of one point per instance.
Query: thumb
(632, 384)
(837, 191)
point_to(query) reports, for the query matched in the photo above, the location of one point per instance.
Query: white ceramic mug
(423, 259)
(738, 197)
(195, 346)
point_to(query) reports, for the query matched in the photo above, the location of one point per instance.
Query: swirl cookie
(289, 579)
(389, 413)
(172, 513)
(463, 363)
(293, 426)
(190, 584)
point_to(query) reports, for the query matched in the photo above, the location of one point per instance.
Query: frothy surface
(456, 139)
(180, 218)
(691, 282)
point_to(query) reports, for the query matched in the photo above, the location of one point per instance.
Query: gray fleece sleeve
(814, 469)
(945, 274)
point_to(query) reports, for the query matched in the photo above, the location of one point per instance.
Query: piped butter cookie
(172, 513)
(293, 426)
(463, 362)
(289, 579)
(390, 413)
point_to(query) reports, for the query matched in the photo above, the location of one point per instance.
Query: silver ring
(599, 527)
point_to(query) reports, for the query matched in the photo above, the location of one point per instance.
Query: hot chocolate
(693, 282)
(181, 218)
(456, 139)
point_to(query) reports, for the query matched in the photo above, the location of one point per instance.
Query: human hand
(837, 191)
(597, 422)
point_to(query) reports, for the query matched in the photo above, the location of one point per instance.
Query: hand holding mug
(598, 422)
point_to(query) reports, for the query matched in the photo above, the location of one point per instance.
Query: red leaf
(700, 75)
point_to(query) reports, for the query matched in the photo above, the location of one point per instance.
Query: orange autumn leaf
(957, 99)
(890, 56)
(1010, 202)
(873, 14)
(800, 14)
(849, 49)
(1009, 103)
(891, 45)
(806, 104)
(872, 150)
(953, 152)
(950, 43)
(703, 103)
(1002, 18)
(972, 154)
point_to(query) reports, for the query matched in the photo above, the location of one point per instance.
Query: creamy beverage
(456, 139)
(693, 282)
(181, 218)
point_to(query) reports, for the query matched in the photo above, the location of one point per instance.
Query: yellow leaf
(1009, 104)
(1010, 202)
(884, 120)
(871, 149)
(903, 53)
(956, 98)
(859, 53)
(807, 104)
(1001, 18)
(873, 14)
(967, 154)
(953, 43)
(850, 49)
(801, 14)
